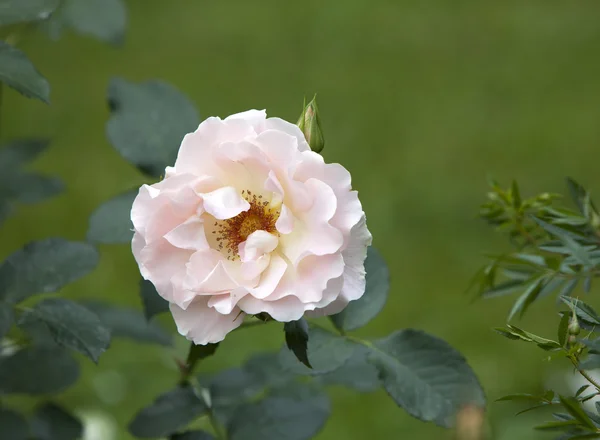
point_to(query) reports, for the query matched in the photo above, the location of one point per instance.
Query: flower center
(231, 232)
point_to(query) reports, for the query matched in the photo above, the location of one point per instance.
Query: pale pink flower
(249, 220)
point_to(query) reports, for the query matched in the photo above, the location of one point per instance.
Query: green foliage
(557, 249)
(147, 123)
(71, 325)
(37, 370)
(111, 223)
(153, 303)
(17, 185)
(325, 350)
(45, 266)
(512, 332)
(168, 413)
(296, 339)
(425, 376)
(358, 313)
(7, 317)
(192, 435)
(130, 324)
(14, 426)
(292, 413)
(18, 72)
(19, 11)
(51, 422)
(105, 20)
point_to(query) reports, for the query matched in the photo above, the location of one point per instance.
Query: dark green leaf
(233, 386)
(582, 310)
(148, 123)
(5, 210)
(326, 352)
(563, 329)
(557, 426)
(577, 250)
(199, 352)
(153, 303)
(574, 408)
(19, 152)
(102, 19)
(296, 339)
(168, 414)
(37, 370)
(19, 73)
(426, 376)
(581, 390)
(516, 195)
(513, 332)
(356, 373)
(192, 435)
(71, 325)
(6, 318)
(523, 397)
(293, 413)
(569, 287)
(29, 188)
(525, 300)
(19, 11)
(45, 266)
(129, 323)
(13, 425)
(111, 223)
(578, 193)
(51, 422)
(504, 288)
(267, 370)
(358, 313)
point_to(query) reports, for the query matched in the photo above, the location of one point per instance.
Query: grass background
(420, 101)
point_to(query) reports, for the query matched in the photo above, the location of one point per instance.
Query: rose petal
(285, 222)
(289, 128)
(189, 235)
(224, 203)
(257, 244)
(203, 324)
(270, 278)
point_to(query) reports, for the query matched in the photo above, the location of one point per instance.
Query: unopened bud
(310, 125)
(574, 328)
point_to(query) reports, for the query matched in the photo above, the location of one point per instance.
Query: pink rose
(249, 220)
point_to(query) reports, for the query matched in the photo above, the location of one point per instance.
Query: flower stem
(584, 373)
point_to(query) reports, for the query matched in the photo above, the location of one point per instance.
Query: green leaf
(7, 318)
(503, 288)
(19, 152)
(153, 303)
(199, 352)
(356, 373)
(578, 193)
(582, 310)
(426, 376)
(45, 266)
(19, 11)
(574, 408)
(37, 370)
(192, 435)
(527, 298)
(293, 413)
(168, 414)
(105, 20)
(523, 397)
(71, 325)
(358, 313)
(557, 426)
(513, 332)
(267, 370)
(51, 422)
(296, 339)
(591, 362)
(325, 350)
(515, 194)
(563, 328)
(14, 426)
(18, 72)
(111, 223)
(577, 250)
(29, 188)
(581, 390)
(148, 123)
(129, 323)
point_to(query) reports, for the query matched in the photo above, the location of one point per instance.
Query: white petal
(257, 244)
(354, 260)
(189, 235)
(270, 277)
(204, 325)
(285, 222)
(284, 310)
(224, 203)
(289, 128)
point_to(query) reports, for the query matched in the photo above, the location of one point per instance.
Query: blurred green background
(420, 100)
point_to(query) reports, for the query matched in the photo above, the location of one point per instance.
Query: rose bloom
(250, 220)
